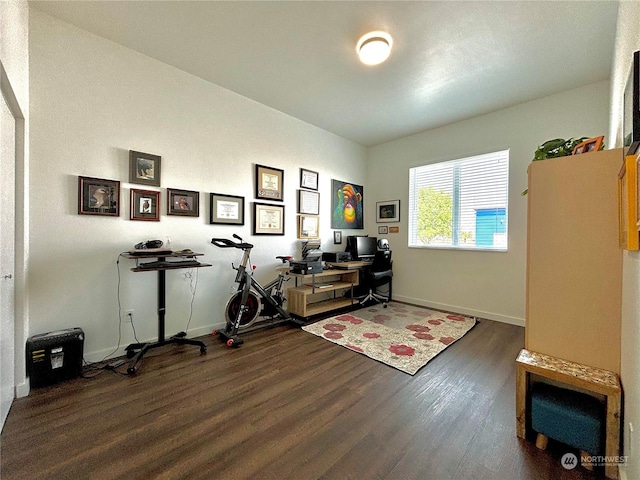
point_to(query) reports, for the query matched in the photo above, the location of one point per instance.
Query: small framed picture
(337, 237)
(268, 219)
(145, 205)
(394, 229)
(308, 179)
(269, 183)
(383, 230)
(144, 168)
(308, 202)
(590, 145)
(183, 202)
(226, 209)
(97, 196)
(388, 211)
(308, 226)
(628, 204)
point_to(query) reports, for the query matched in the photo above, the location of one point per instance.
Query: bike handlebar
(226, 243)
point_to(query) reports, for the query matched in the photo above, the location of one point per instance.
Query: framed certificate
(226, 209)
(268, 219)
(308, 202)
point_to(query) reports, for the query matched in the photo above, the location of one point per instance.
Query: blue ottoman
(570, 417)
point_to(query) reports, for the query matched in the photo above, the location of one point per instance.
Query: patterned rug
(403, 336)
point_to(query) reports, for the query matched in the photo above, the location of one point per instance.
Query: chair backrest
(382, 261)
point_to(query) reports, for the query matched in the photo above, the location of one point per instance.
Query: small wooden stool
(590, 379)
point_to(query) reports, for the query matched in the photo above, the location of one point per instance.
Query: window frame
(456, 165)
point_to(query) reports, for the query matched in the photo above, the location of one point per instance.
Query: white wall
(487, 284)
(628, 41)
(93, 101)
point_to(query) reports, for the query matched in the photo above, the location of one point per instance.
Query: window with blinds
(460, 203)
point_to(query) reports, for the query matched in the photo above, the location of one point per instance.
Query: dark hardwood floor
(285, 405)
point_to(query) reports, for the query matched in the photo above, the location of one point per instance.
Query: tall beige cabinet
(574, 262)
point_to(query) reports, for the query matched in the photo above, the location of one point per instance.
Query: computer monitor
(362, 247)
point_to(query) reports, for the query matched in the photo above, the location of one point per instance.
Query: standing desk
(179, 338)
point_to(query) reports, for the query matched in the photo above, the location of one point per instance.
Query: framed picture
(631, 109)
(308, 202)
(388, 211)
(308, 179)
(269, 183)
(590, 145)
(308, 226)
(97, 196)
(144, 168)
(337, 237)
(183, 202)
(226, 209)
(268, 219)
(628, 204)
(383, 230)
(394, 229)
(346, 205)
(145, 205)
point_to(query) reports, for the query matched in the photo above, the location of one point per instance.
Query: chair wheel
(203, 350)
(131, 370)
(214, 332)
(230, 342)
(130, 354)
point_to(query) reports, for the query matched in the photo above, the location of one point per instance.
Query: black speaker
(54, 356)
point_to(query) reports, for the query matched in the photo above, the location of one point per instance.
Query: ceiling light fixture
(374, 47)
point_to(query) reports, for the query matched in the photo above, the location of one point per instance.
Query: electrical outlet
(128, 316)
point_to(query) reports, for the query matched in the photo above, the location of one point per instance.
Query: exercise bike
(251, 299)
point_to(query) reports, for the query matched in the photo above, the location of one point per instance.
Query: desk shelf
(311, 299)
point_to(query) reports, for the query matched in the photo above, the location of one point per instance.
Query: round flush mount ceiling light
(374, 47)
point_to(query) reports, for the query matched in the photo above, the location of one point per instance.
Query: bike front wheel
(250, 314)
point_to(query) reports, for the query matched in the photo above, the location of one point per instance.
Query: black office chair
(377, 275)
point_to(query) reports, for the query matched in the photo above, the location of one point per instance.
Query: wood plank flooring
(285, 405)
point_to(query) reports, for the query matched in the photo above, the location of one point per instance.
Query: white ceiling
(451, 60)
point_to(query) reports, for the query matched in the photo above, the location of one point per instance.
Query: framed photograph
(308, 179)
(590, 145)
(628, 204)
(144, 168)
(268, 219)
(145, 205)
(226, 209)
(388, 211)
(185, 203)
(346, 205)
(383, 230)
(631, 108)
(269, 183)
(308, 226)
(97, 196)
(308, 202)
(337, 237)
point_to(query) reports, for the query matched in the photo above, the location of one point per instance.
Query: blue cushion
(570, 417)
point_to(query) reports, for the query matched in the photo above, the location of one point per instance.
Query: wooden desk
(178, 338)
(591, 379)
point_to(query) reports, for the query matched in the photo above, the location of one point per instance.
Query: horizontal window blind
(461, 203)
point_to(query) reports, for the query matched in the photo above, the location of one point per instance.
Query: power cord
(193, 287)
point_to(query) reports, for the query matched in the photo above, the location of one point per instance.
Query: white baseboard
(462, 310)
(622, 473)
(23, 389)
(99, 355)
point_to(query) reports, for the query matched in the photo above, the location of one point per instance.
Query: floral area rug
(403, 336)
